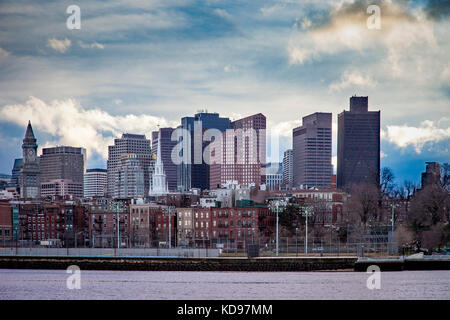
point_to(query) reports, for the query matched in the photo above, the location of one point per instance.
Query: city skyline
(236, 59)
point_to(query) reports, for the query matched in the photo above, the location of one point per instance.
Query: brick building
(61, 222)
(224, 227)
(109, 225)
(149, 225)
(6, 222)
(240, 154)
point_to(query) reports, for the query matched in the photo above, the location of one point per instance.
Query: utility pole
(392, 219)
(170, 235)
(306, 214)
(118, 223)
(277, 204)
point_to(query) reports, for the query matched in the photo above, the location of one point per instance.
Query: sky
(134, 65)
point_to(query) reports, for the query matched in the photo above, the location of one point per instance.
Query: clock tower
(30, 183)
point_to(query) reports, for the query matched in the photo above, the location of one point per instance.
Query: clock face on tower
(30, 154)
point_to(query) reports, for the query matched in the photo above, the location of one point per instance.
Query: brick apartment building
(149, 225)
(6, 222)
(329, 202)
(224, 227)
(60, 223)
(109, 225)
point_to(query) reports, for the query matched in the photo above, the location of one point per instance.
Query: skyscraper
(193, 172)
(63, 162)
(432, 174)
(95, 183)
(312, 152)
(241, 153)
(15, 172)
(167, 146)
(132, 176)
(29, 179)
(358, 145)
(128, 144)
(288, 176)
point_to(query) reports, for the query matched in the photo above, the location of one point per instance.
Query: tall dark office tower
(432, 174)
(193, 172)
(167, 145)
(128, 144)
(358, 145)
(63, 163)
(312, 152)
(29, 179)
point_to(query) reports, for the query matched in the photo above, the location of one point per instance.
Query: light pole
(306, 215)
(296, 242)
(116, 207)
(170, 227)
(277, 204)
(393, 205)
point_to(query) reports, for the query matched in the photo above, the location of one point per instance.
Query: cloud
(223, 14)
(417, 137)
(437, 9)
(3, 53)
(282, 129)
(230, 68)
(345, 29)
(114, 23)
(59, 45)
(266, 11)
(94, 45)
(71, 124)
(353, 79)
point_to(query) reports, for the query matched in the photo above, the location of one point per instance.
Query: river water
(52, 284)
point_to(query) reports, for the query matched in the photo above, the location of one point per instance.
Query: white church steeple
(159, 184)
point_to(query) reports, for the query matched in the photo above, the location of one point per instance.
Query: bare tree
(445, 176)
(403, 236)
(387, 181)
(362, 208)
(429, 208)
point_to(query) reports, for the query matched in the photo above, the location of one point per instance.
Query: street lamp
(170, 227)
(306, 214)
(277, 205)
(393, 205)
(296, 242)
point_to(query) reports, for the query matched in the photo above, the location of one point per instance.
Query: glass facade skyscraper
(358, 145)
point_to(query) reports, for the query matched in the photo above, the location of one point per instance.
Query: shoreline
(263, 264)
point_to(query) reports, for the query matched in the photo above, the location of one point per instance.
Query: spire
(159, 184)
(158, 153)
(29, 134)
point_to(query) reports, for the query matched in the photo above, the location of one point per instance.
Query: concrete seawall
(405, 263)
(271, 264)
(181, 264)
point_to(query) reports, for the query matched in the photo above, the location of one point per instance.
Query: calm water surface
(51, 284)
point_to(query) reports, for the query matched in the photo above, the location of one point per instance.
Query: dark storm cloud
(402, 9)
(437, 9)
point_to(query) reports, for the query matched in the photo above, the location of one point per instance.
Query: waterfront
(51, 284)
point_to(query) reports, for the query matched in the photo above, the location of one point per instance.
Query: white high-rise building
(95, 183)
(288, 167)
(128, 144)
(159, 183)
